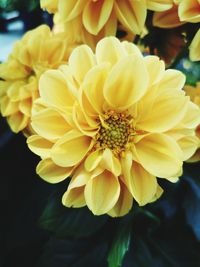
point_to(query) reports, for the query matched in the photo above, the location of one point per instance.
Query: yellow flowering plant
(109, 103)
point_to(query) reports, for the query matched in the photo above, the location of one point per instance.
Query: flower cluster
(36, 52)
(95, 109)
(114, 121)
(78, 16)
(183, 11)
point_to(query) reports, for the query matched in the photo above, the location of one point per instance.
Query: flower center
(115, 131)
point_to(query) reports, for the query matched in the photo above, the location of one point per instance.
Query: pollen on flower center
(115, 131)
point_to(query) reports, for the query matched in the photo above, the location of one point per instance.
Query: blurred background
(17, 17)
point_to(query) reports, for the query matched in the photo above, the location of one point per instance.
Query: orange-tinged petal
(102, 192)
(159, 5)
(189, 11)
(52, 173)
(167, 19)
(70, 149)
(102, 10)
(124, 203)
(160, 155)
(131, 14)
(70, 9)
(126, 83)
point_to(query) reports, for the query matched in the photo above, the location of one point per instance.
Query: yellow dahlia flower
(113, 120)
(36, 52)
(195, 47)
(89, 20)
(194, 93)
(182, 11)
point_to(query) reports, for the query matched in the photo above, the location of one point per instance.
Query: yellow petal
(50, 124)
(93, 87)
(25, 106)
(124, 203)
(102, 10)
(70, 149)
(143, 184)
(74, 196)
(52, 173)
(102, 192)
(18, 121)
(131, 14)
(126, 83)
(110, 162)
(172, 80)
(57, 90)
(159, 155)
(159, 5)
(158, 193)
(155, 67)
(93, 160)
(8, 107)
(192, 116)
(81, 61)
(168, 110)
(39, 146)
(109, 49)
(195, 47)
(189, 145)
(70, 9)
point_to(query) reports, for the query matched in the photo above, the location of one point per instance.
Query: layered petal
(102, 192)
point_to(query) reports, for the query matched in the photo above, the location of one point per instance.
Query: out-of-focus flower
(36, 52)
(195, 47)
(168, 19)
(88, 21)
(113, 120)
(194, 93)
(189, 10)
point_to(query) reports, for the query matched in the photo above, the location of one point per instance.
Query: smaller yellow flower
(88, 21)
(195, 47)
(189, 10)
(194, 93)
(36, 52)
(169, 18)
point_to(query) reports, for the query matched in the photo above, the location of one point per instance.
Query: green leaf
(69, 222)
(120, 244)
